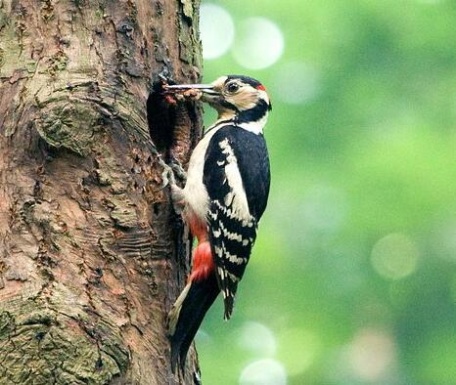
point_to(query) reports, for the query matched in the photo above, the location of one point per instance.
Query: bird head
(236, 97)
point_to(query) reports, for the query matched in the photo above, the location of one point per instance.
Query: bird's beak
(209, 94)
(205, 88)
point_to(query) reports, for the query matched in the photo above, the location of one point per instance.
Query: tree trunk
(91, 254)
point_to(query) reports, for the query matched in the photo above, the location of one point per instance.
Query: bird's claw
(169, 179)
(178, 170)
(167, 176)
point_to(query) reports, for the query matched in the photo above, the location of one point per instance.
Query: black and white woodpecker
(224, 197)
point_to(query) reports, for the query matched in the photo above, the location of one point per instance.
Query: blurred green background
(353, 277)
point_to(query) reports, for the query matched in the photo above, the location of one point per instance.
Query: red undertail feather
(203, 262)
(197, 297)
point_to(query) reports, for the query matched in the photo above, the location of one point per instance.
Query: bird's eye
(232, 87)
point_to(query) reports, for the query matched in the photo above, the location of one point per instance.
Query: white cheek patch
(244, 100)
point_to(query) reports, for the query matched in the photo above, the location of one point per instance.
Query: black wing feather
(232, 238)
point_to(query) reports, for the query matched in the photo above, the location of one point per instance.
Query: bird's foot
(169, 179)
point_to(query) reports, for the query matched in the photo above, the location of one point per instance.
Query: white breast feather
(196, 196)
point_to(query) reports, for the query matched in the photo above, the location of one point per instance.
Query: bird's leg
(178, 170)
(169, 179)
(177, 198)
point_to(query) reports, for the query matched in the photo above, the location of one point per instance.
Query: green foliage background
(364, 168)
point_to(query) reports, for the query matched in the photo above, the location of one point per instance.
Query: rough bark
(90, 250)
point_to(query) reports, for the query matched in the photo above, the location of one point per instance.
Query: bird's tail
(186, 316)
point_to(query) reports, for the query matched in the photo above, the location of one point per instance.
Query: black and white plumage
(236, 177)
(223, 200)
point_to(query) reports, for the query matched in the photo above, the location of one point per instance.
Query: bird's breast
(195, 192)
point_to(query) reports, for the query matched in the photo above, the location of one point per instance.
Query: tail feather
(187, 314)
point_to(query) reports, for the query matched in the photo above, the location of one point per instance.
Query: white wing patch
(237, 195)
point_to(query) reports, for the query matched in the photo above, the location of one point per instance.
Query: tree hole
(161, 113)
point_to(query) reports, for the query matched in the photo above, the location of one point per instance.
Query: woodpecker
(224, 197)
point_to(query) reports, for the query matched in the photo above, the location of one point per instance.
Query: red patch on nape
(261, 87)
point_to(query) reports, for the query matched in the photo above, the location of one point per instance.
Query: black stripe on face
(253, 114)
(228, 105)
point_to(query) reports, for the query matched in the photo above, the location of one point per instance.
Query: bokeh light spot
(258, 339)
(216, 29)
(259, 43)
(372, 355)
(394, 256)
(263, 372)
(296, 83)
